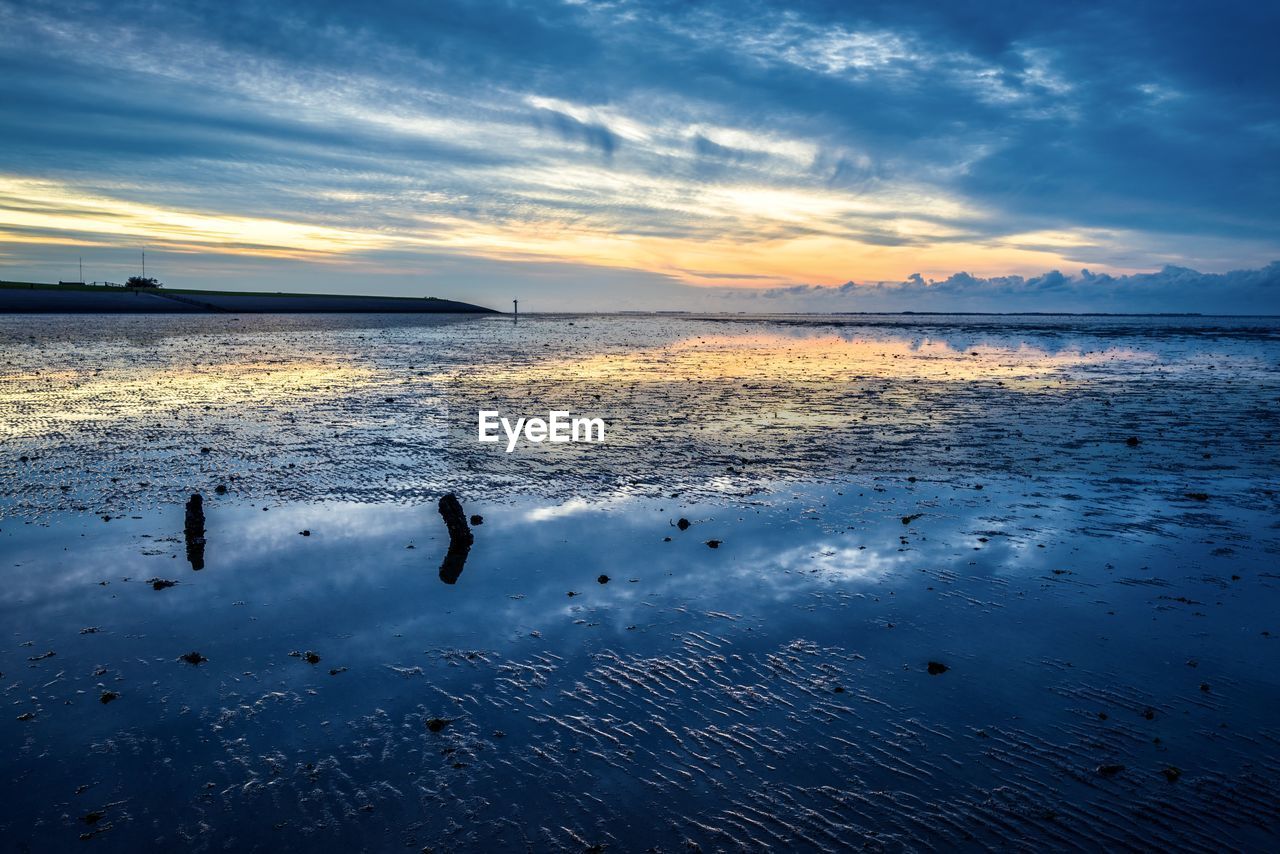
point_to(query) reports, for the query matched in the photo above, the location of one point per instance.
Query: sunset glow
(657, 168)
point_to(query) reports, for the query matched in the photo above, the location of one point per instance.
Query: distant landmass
(77, 298)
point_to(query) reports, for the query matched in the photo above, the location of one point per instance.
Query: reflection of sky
(833, 570)
(781, 357)
(113, 415)
(354, 585)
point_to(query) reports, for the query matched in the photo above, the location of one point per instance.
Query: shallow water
(886, 492)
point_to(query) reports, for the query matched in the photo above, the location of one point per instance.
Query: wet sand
(950, 604)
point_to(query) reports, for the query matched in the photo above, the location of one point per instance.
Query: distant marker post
(515, 310)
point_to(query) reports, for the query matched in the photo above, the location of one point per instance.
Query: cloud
(595, 135)
(752, 141)
(1171, 289)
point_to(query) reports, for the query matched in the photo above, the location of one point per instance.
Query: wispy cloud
(755, 144)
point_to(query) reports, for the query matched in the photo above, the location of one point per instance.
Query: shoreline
(41, 298)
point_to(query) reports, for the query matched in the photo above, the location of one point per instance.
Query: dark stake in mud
(193, 530)
(460, 538)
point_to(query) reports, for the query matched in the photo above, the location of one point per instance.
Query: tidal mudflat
(884, 582)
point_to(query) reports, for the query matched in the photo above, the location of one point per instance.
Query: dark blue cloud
(1172, 289)
(593, 134)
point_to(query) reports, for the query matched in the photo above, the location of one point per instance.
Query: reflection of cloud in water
(839, 562)
(606, 500)
(789, 647)
(780, 358)
(572, 507)
(328, 409)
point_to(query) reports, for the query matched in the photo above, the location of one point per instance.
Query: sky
(732, 155)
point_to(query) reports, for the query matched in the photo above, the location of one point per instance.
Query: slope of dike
(31, 297)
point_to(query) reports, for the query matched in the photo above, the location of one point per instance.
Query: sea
(829, 582)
